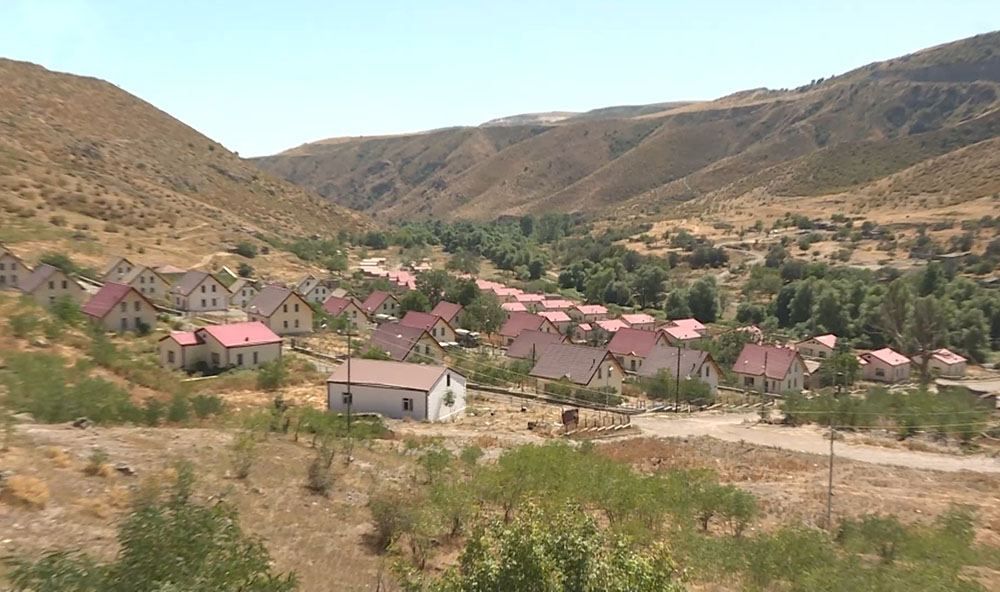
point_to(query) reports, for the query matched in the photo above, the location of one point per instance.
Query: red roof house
(448, 311)
(885, 365)
(523, 321)
(771, 369)
(120, 307)
(631, 346)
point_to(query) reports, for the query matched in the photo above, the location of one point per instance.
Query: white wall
(388, 401)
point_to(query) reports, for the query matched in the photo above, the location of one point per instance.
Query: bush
(152, 412)
(179, 410)
(206, 405)
(272, 375)
(319, 477)
(243, 453)
(245, 249)
(22, 325)
(244, 269)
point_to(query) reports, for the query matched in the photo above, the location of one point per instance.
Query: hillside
(86, 164)
(845, 134)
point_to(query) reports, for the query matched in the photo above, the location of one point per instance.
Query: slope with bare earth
(86, 164)
(832, 136)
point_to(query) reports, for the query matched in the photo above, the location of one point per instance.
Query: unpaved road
(737, 427)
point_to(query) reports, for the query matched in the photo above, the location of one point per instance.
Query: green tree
(244, 270)
(842, 368)
(703, 300)
(926, 330)
(676, 305)
(464, 261)
(484, 314)
(271, 376)
(414, 300)
(246, 249)
(433, 284)
(462, 291)
(647, 283)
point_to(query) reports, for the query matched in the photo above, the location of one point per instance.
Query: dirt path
(740, 428)
(208, 259)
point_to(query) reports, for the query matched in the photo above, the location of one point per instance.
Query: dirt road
(736, 427)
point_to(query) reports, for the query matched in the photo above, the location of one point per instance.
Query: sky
(261, 77)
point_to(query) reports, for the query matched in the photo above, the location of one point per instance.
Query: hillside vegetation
(844, 134)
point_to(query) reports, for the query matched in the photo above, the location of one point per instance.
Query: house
(694, 365)
(439, 328)
(346, 307)
(885, 365)
(631, 346)
(581, 366)
(397, 390)
(606, 329)
(282, 310)
(199, 291)
(449, 311)
(813, 375)
(691, 324)
(407, 344)
(820, 346)
(121, 308)
(641, 321)
(150, 284)
(116, 270)
(531, 301)
(512, 307)
(380, 303)
(505, 294)
(558, 318)
(682, 336)
(171, 273)
(313, 289)
(12, 270)
(47, 284)
(527, 345)
(588, 313)
(524, 321)
(770, 369)
(585, 333)
(943, 362)
(243, 292)
(563, 305)
(238, 345)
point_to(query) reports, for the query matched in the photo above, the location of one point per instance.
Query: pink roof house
(820, 346)
(771, 369)
(944, 362)
(885, 365)
(558, 318)
(588, 313)
(641, 321)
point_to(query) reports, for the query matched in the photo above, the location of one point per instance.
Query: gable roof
(170, 270)
(421, 320)
(514, 307)
(556, 304)
(530, 297)
(306, 284)
(693, 324)
(633, 342)
(778, 360)
(576, 363)
(522, 321)
(447, 310)
(529, 342)
(335, 306)
(397, 340)
(241, 283)
(392, 374)
(686, 333)
(4, 250)
(888, 356)
(612, 325)
(946, 356)
(375, 300)
(39, 276)
(829, 340)
(664, 357)
(240, 334)
(640, 318)
(267, 301)
(591, 309)
(113, 264)
(191, 280)
(110, 294)
(183, 338)
(556, 316)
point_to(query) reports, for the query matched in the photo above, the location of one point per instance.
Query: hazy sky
(264, 76)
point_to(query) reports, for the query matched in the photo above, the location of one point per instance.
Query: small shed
(397, 390)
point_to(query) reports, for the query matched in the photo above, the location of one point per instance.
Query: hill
(849, 133)
(87, 164)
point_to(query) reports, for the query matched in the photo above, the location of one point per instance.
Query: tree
(676, 306)
(750, 314)
(167, 544)
(414, 300)
(647, 283)
(462, 291)
(246, 249)
(801, 307)
(703, 300)
(897, 304)
(484, 314)
(842, 368)
(663, 385)
(245, 269)
(926, 330)
(831, 314)
(536, 267)
(433, 284)
(464, 261)
(374, 353)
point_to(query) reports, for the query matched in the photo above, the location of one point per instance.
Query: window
(296, 307)
(138, 322)
(284, 308)
(632, 362)
(407, 404)
(142, 279)
(748, 381)
(152, 290)
(213, 288)
(447, 379)
(427, 349)
(170, 357)
(254, 357)
(880, 372)
(124, 306)
(285, 323)
(2, 266)
(346, 398)
(239, 359)
(213, 301)
(296, 323)
(203, 305)
(52, 285)
(138, 306)
(124, 323)
(821, 353)
(203, 288)
(215, 359)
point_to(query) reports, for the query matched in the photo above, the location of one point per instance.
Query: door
(124, 324)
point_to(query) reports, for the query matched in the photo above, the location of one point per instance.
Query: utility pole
(829, 483)
(350, 397)
(677, 382)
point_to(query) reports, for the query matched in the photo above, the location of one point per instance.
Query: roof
(421, 320)
(638, 319)
(183, 338)
(110, 267)
(664, 357)
(812, 366)
(191, 280)
(42, 273)
(267, 301)
(633, 342)
(612, 325)
(531, 341)
(240, 334)
(753, 358)
(576, 363)
(170, 270)
(592, 309)
(110, 294)
(397, 340)
(487, 285)
(681, 333)
(335, 305)
(888, 356)
(529, 297)
(447, 310)
(521, 321)
(241, 283)
(947, 356)
(391, 374)
(693, 324)
(514, 307)
(829, 340)
(306, 284)
(505, 291)
(375, 300)
(556, 304)
(556, 316)
(584, 327)
(4, 250)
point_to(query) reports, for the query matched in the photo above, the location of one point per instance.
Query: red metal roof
(397, 340)
(753, 358)
(889, 356)
(374, 300)
(592, 309)
(107, 297)
(529, 297)
(681, 333)
(419, 320)
(521, 321)
(612, 325)
(531, 342)
(514, 307)
(448, 311)
(557, 304)
(693, 324)
(638, 319)
(947, 356)
(576, 363)
(241, 334)
(556, 316)
(335, 305)
(665, 357)
(633, 342)
(183, 337)
(267, 301)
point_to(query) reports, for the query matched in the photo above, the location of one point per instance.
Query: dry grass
(58, 456)
(25, 490)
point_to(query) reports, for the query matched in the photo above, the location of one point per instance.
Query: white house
(885, 365)
(398, 390)
(820, 346)
(944, 362)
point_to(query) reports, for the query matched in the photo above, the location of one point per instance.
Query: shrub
(97, 463)
(22, 325)
(272, 375)
(179, 409)
(245, 269)
(152, 412)
(243, 452)
(245, 249)
(206, 405)
(27, 491)
(319, 477)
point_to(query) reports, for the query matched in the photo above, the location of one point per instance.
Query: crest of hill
(82, 149)
(829, 136)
